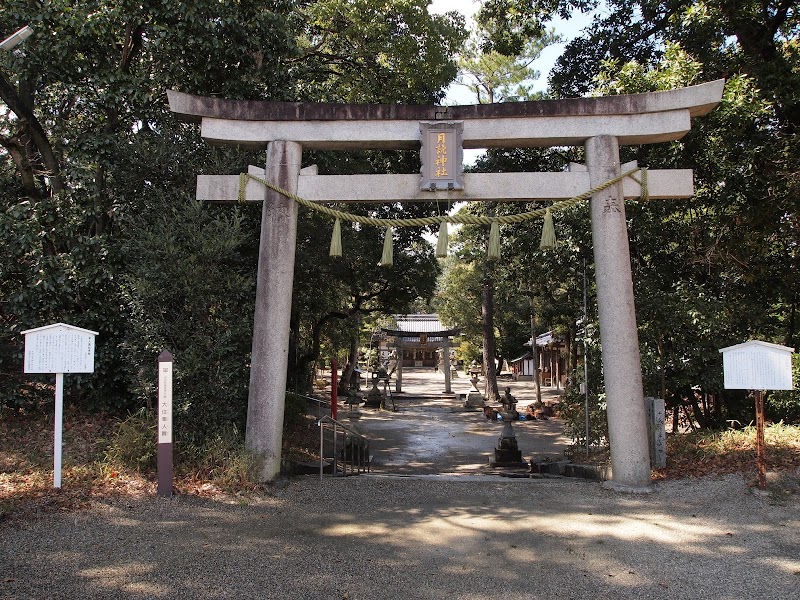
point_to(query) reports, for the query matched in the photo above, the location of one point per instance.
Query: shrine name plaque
(441, 154)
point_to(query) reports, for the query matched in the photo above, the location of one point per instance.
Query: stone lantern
(507, 454)
(474, 397)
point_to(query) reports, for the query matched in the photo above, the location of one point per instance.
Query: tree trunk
(676, 415)
(699, 415)
(16, 150)
(718, 417)
(293, 370)
(535, 359)
(21, 105)
(571, 353)
(487, 318)
(662, 367)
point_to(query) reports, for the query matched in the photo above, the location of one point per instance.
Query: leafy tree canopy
(97, 179)
(722, 267)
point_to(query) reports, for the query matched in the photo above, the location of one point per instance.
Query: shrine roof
(545, 339)
(409, 326)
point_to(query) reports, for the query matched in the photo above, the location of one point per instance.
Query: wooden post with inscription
(761, 451)
(164, 458)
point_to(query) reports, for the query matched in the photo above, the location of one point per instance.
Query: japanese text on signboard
(165, 403)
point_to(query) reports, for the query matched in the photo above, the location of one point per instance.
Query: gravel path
(373, 537)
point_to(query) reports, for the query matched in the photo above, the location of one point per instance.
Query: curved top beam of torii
(634, 119)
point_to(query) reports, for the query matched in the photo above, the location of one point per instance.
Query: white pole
(58, 418)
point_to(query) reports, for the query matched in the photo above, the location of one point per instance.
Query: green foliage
(133, 442)
(544, 284)
(96, 175)
(366, 51)
(495, 77)
(782, 442)
(785, 405)
(458, 299)
(337, 292)
(572, 410)
(221, 458)
(705, 287)
(722, 267)
(189, 289)
(87, 98)
(294, 410)
(53, 271)
(467, 352)
(676, 69)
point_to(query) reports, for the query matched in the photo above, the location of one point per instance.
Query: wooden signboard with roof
(59, 348)
(758, 366)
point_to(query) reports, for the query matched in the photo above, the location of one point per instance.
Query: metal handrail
(359, 459)
(320, 403)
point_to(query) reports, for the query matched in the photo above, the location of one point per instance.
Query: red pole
(334, 388)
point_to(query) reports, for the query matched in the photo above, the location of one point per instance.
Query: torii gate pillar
(627, 420)
(270, 356)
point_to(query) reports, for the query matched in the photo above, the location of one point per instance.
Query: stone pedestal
(375, 398)
(507, 453)
(398, 382)
(446, 368)
(353, 402)
(474, 396)
(475, 400)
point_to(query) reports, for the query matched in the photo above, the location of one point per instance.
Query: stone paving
(432, 433)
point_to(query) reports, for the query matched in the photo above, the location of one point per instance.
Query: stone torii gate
(600, 125)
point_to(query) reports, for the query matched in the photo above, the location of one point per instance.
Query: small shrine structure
(417, 341)
(552, 367)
